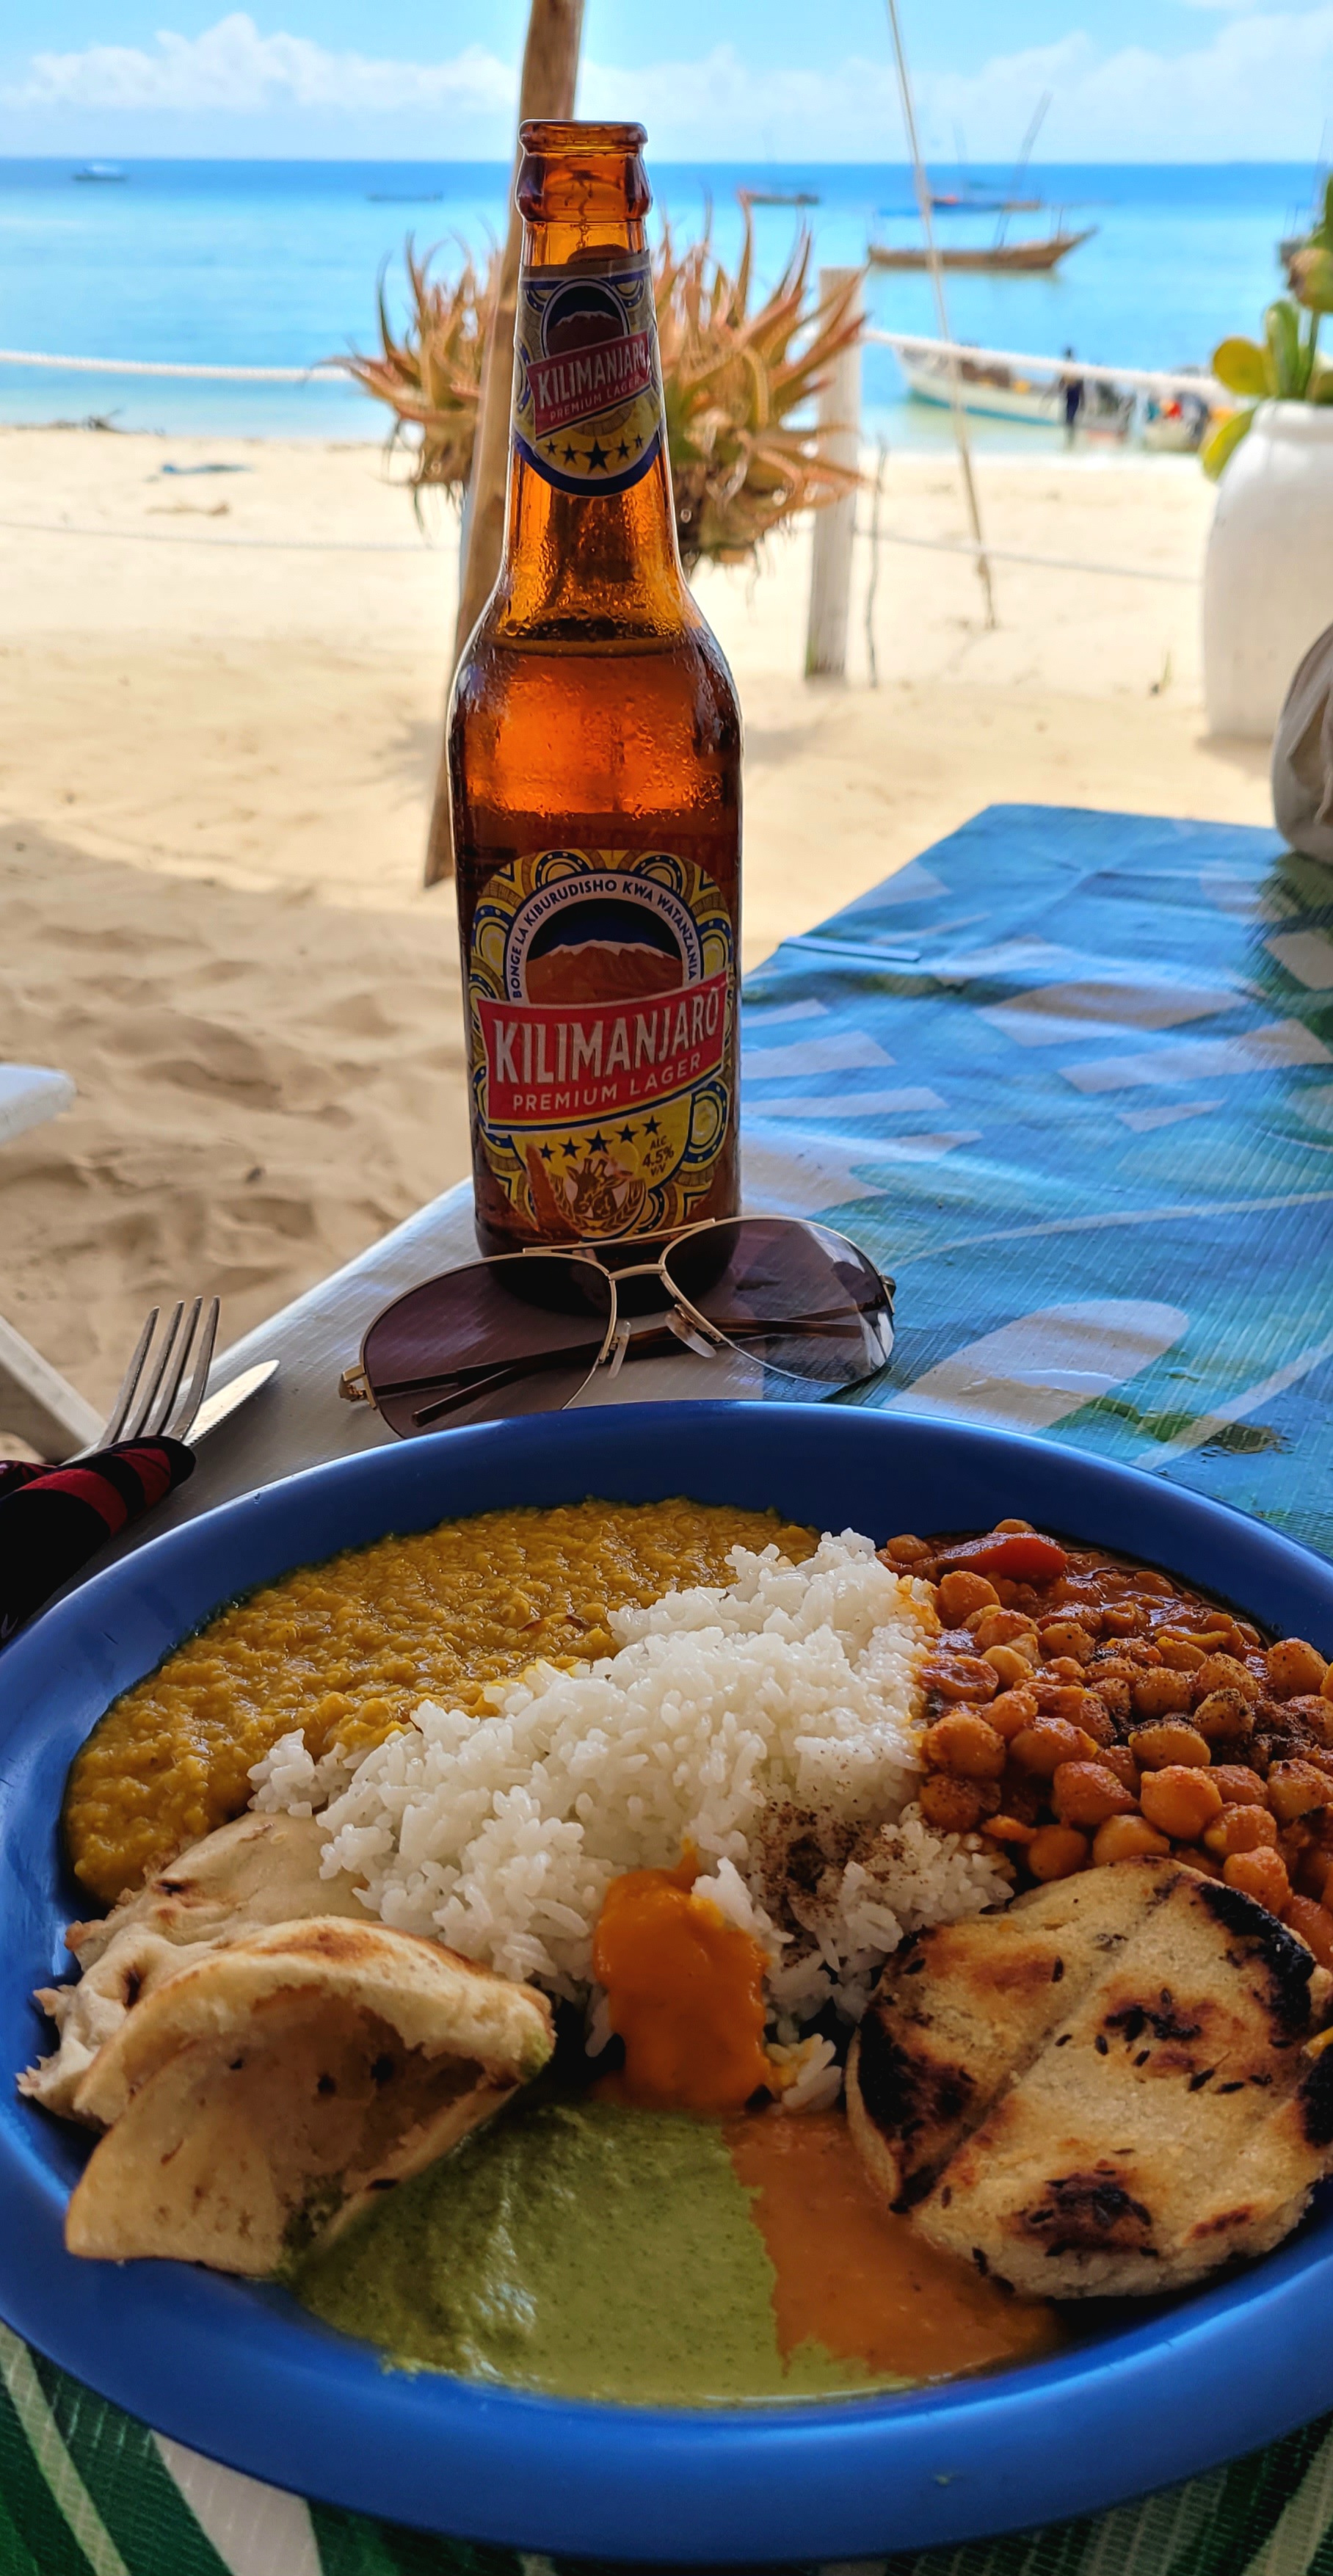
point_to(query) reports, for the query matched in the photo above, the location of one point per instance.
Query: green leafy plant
(1286, 365)
(734, 382)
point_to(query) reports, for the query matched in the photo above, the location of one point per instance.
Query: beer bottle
(594, 756)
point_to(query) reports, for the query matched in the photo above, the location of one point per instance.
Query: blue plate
(243, 2374)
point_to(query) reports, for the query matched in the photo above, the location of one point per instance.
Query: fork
(157, 1399)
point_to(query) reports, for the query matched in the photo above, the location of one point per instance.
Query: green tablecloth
(1071, 1077)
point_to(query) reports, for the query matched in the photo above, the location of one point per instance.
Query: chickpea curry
(1086, 1710)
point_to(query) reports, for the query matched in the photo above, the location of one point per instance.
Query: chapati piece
(1108, 2091)
(260, 1870)
(264, 2093)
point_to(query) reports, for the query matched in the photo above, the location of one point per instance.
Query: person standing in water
(1073, 396)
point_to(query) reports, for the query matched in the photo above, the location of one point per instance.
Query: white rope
(1148, 379)
(319, 368)
(1012, 554)
(424, 546)
(258, 545)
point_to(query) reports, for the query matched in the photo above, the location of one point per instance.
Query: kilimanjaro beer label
(587, 387)
(601, 990)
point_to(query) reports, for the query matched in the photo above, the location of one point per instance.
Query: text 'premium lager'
(594, 753)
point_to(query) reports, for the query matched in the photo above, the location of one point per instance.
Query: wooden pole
(942, 310)
(835, 525)
(547, 86)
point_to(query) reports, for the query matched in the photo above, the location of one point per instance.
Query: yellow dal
(347, 1649)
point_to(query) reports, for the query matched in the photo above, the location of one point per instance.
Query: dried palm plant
(431, 377)
(734, 381)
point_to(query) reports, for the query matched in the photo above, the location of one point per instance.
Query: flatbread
(267, 2091)
(260, 1870)
(1110, 2090)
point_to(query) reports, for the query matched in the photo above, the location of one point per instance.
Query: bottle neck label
(602, 993)
(587, 409)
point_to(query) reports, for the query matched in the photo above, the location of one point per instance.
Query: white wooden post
(835, 525)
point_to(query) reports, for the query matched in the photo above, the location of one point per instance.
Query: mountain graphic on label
(602, 952)
(582, 315)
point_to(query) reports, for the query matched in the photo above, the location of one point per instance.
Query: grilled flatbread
(260, 1870)
(263, 2093)
(1109, 2090)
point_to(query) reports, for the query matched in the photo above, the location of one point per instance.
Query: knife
(225, 1399)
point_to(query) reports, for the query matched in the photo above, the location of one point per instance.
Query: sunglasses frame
(684, 1319)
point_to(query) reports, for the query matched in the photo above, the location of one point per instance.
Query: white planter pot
(1268, 577)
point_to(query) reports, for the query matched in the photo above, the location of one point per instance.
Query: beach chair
(36, 1403)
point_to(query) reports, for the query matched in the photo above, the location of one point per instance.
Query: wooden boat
(1023, 258)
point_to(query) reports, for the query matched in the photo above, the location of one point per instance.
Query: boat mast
(957, 413)
(1020, 166)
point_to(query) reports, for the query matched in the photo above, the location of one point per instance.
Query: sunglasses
(527, 1332)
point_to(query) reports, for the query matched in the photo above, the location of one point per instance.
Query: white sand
(220, 699)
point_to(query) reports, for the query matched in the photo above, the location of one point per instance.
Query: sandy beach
(220, 702)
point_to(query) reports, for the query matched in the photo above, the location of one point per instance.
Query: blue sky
(712, 79)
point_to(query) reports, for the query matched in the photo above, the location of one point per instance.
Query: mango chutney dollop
(345, 1650)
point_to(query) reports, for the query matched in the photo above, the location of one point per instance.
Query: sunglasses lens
(519, 1336)
(797, 1298)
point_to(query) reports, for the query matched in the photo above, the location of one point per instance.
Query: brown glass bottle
(594, 757)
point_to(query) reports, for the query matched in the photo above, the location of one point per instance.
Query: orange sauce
(855, 2278)
(685, 1992)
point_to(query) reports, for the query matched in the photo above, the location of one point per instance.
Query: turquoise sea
(270, 263)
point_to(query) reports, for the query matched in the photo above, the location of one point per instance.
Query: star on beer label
(597, 456)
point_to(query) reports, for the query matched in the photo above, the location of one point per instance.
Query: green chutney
(578, 2248)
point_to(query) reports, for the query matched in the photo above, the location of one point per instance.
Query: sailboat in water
(1020, 258)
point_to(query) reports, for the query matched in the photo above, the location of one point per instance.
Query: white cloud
(1256, 87)
(234, 69)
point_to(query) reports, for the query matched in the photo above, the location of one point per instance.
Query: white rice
(792, 1688)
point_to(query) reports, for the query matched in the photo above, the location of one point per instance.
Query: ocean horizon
(276, 264)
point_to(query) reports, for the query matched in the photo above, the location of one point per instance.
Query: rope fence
(326, 370)
(334, 370)
(1020, 555)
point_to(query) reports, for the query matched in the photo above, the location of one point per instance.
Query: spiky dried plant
(431, 377)
(734, 382)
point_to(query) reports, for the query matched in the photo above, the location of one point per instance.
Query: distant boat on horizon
(976, 201)
(105, 171)
(778, 196)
